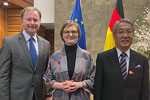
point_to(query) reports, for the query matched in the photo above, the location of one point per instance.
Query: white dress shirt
(35, 42)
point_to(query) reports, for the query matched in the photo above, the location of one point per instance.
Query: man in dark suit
(121, 76)
(23, 61)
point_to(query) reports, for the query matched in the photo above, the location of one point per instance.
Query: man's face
(123, 36)
(31, 22)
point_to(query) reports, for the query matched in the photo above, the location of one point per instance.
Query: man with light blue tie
(23, 61)
(121, 73)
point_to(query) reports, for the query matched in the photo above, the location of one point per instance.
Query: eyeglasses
(68, 32)
(129, 32)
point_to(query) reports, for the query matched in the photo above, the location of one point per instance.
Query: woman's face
(70, 35)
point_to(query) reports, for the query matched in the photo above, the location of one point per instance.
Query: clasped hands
(68, 85)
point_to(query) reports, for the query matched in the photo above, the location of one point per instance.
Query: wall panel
(2, 25)
(14, 28)
(14, 25)
(14, 20)
(11, 33)
(14, 12)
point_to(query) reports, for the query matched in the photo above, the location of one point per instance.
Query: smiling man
(121, 73)
(23, 60)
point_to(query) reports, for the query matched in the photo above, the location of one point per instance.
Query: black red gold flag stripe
(118, 13)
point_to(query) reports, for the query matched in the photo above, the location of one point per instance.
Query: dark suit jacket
(18, 78)
(109, 83)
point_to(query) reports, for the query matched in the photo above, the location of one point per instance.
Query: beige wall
(96, 16)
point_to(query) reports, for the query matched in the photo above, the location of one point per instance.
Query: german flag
(118, 14)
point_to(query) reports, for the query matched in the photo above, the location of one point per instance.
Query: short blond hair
(30, 9)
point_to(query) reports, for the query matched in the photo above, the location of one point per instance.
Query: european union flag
(77, 17)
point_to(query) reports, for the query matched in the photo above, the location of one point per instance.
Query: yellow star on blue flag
(77, 17)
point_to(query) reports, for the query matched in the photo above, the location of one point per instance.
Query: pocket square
(138, 66)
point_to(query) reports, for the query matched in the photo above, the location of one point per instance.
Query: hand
(50, 98)
(78, 84)
(69, 86)
(66, 86)
(57, 85)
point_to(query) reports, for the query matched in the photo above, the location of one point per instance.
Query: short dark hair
(69, 23)
(120, 21)
(30, 9)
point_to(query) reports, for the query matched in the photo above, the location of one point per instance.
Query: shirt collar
(119, 52)
(27, 36)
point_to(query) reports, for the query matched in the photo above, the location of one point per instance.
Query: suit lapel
(23, 43)
(131, 64)
(40, 49)
(115, 61)
(132, 60)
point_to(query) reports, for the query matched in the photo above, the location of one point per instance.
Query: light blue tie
(33, 52)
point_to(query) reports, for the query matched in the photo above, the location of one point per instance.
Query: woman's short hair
(69, 23)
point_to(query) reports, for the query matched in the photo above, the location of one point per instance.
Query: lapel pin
(131, 73)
